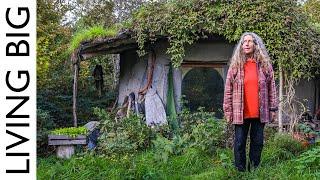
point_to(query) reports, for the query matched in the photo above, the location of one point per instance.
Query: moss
(92, 33)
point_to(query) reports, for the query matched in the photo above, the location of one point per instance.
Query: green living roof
(290, 38)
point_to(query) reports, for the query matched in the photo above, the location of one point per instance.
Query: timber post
(280, 125)
(76, 62)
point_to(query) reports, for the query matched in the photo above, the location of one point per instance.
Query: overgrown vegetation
(45, 124)
(285, 27)
(125, 136)
(129, 149)
(192, 163)
(282, 25)
(198, 130)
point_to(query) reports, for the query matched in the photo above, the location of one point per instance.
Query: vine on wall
(289, 36)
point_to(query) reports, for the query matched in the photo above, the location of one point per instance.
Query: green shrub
(44, 125)
(203, 129)
(208, 135)
(164, 147)
(107, 120)
(199, 130)
(189, 120)
(286, 142)
(309, 160)
(116, 143)
(127, 135)
(281, 147)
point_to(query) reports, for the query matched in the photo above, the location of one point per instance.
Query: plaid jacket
(233, 94)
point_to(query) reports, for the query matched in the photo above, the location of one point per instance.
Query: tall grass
(194, 164)
(91, 33)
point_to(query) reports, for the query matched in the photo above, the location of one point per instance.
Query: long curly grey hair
(260, 53)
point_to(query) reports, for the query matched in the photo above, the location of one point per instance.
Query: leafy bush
(190, 119)
(281, 147)
(70, 131)
(286, 142)
(116, 143)
(199, 130)
(124, 136)
(203, 129)
(164, 147)
(309, 160)
(44, 125)
(208, 135)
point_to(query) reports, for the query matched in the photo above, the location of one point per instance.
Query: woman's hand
(229, 121)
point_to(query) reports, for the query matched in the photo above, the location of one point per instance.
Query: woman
(250, 97)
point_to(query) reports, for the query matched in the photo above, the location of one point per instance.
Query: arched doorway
(203, 87)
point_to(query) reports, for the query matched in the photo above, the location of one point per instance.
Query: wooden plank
(67, 142)
(52, 137)
(114, 50)
(192, 64)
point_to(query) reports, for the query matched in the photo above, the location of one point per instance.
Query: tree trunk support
(280, 99)
(76, 62)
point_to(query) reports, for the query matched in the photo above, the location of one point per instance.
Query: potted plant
(66, 138)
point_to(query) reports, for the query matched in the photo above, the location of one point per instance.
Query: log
(65, 152)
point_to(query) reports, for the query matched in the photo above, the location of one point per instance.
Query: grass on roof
(92, 33)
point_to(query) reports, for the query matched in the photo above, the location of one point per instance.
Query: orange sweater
(251, 90)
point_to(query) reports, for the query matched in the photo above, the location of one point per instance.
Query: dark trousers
(256, 143)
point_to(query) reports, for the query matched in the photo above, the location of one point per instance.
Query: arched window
(203, 87)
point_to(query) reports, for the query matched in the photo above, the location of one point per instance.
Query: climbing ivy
(291, 41)
(290, 36)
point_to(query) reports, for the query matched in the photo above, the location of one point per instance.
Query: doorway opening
(203, 87)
